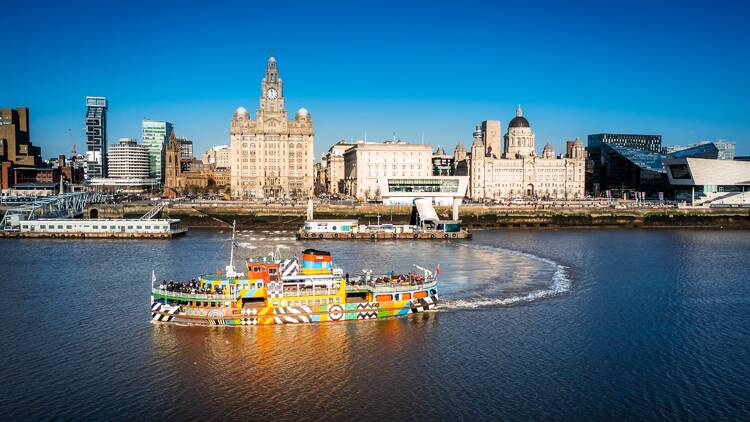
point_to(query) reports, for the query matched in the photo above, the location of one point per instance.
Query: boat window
(59, 226)
(148, 227)
(68, 227)
(95, 227)
(43, 226)
(256, 269)
(138, 227)
(272, 271)
(330, 300)
(130, 227)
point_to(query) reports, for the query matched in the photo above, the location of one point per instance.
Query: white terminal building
(368, 165)
(440, 190)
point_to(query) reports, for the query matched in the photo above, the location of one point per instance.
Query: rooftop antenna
(422, 138)
(70, 136)
(365, 136)
(394, 136)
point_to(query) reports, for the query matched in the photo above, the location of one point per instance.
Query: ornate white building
(271, 156)
(520, 172)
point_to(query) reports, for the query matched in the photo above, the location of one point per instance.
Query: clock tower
(271, 155)
(272, 98)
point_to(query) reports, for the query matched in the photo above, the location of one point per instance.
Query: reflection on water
(532, 325)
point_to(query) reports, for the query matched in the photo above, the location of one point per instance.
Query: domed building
(272, 155)
(520, 140)
(519, 172)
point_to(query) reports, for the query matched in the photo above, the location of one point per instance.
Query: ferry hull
(227, 316)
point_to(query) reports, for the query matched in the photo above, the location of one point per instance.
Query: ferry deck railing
(357, 285)
(195, 296)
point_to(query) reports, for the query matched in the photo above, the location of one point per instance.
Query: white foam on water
(560, 284)
(246, 245)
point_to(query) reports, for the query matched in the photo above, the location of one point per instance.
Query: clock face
(272, 94)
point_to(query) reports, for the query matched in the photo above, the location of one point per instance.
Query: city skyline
(576, 70)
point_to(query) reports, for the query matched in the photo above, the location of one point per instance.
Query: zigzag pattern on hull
(163, 313)
(423, 304)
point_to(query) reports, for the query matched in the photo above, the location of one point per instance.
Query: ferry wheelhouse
(275, 290)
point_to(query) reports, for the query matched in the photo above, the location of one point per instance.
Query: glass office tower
(96, 137)
(155, 135)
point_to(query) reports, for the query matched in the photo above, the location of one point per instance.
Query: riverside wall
(474, 217)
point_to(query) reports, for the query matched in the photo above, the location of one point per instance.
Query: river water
(533, 324)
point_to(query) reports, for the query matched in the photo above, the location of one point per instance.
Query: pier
(106, 228)
(54, 217)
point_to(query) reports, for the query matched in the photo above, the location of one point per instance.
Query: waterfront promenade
(583, 214)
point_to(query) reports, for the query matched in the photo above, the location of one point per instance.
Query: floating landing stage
(384, 235)
(98, 228)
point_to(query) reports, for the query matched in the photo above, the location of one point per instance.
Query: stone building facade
(176, 180)
(519, 172)
(334, 167)
(218, 156)
(367, 163)
(271, 155)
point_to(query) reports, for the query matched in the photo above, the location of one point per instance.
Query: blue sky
(434, 68)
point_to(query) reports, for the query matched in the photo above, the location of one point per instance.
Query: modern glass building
(643, 142)
(96, 137)
(633, 169)
(441, 190)
(724, 149)
(156, 135)
(596, 142)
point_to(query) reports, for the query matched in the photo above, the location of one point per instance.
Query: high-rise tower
(96, 137)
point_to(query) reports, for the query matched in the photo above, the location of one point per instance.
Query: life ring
(372, 235)
(351, 235)
(432, 236)
(453, 235)
(320, 236)
(335, 235)
(445, 236)
(335, 312)
(394, 236)
(416, 236)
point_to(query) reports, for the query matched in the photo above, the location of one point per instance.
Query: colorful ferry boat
(275, 290)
